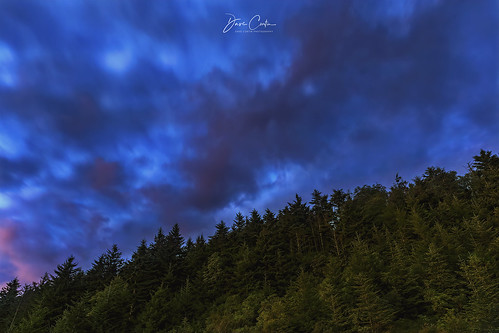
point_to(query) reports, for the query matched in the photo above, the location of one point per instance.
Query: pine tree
(417, 257)
(63, 288)
(441, 283)
(304, 307)
(167, 310)
(247, 273)
(272, 316)
(482, 311)
(219, 239)
(75, 318)
(195, 258)
(110, 308)
(484, 181)
(175, 259)
(141, 276)
(239, 222)
(66, 286)
(9, 304)
(104, 269)
(334, 293)
(321, 218)
(405, 286)
(253, 227)
(213, 275)
(372, 312)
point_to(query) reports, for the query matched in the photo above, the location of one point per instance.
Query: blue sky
(120, 117)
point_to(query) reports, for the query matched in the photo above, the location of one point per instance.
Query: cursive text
(255, 24)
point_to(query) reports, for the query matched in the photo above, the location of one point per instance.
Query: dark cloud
(120, 118)
(13, 171)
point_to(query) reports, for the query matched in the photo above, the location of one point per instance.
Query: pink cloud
(104, 174)
(13, 253)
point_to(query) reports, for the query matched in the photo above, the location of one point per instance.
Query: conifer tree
(304, 307)
(75, 318)
(63, 288)
(110, 308)
(482, 311)
(141, 276)
(9, 304)
(372, 312)
(441, 283)
(420, 256)
(239, 222)
(104, 269)
(219, 239)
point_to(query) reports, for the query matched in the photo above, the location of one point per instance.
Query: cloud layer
(121, 117)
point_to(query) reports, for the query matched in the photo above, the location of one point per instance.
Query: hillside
(420, 256)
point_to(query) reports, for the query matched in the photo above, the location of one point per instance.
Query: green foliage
(441, 283)
(104, 269)
(36, 322)
(167, 309)
(273, 316)
(372, 313)
(482, 310)
(303, 304)
(9, 304)
(336, 296)
(235, 314)
(60, 291)
(418, 257)
(110, 308)
(141, 277)
(75, 319)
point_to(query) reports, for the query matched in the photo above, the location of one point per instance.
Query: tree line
(420, 256)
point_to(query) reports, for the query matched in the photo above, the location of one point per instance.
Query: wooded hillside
(420, 256)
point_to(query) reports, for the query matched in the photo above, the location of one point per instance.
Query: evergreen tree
(372, 312)
(304, 308)
(174, 261)
(482, 311)
(63, 288)
(239, 222)
(441, 283)
(141, 276)
(195, 257)
(219, 239)
(110, 308)
(420, 256)
(104, 269)
(253, 227)
(167, 310)
(75, 318)
(321, 219)
(9, 304)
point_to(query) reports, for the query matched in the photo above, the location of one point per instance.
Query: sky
(121, 117)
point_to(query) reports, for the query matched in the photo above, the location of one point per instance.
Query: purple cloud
(119, 118)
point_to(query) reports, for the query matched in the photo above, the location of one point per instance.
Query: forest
(420, 256)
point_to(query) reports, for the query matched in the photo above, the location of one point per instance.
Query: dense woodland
(417, 257)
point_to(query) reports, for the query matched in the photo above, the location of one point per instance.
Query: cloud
(13, 249)
(122, 118)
